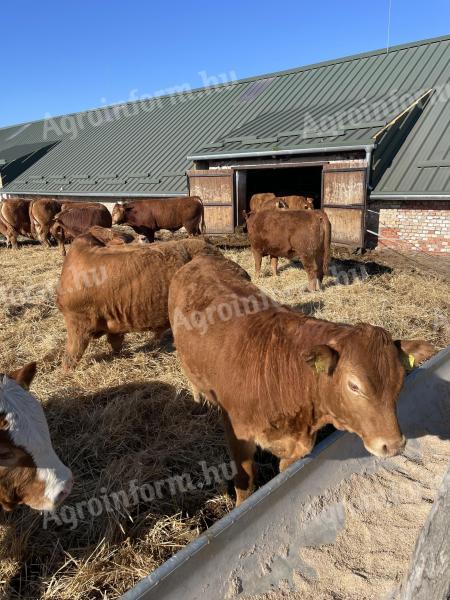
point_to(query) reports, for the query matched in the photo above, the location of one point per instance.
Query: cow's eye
(353, 386)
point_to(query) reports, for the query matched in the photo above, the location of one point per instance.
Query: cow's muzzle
(386, 448)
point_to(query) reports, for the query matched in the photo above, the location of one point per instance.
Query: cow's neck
(320, 416)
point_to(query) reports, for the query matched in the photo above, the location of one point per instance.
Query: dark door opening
(298, 181)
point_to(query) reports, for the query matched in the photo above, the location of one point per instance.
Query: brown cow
(265, 201)
(270, 201)
(15, 219)
(42, 213)
(113, 290)
(297, 202)
(280, 375)
(75, 220)
(30, 471)
(290, 233)
(148, 216)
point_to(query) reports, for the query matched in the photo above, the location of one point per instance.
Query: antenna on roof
(388, 27)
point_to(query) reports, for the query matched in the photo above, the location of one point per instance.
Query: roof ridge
(245, 80)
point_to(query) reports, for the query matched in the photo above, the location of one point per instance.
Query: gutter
(410, 196)
(366, 147)
(96, 194)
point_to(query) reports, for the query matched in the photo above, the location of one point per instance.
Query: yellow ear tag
(407, 361)
(319, 366)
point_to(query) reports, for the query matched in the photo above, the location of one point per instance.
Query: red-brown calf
(280, 375)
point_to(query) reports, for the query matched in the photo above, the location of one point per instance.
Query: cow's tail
(202, 226)
(326, 234)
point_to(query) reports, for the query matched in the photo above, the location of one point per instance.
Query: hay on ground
(132, 419)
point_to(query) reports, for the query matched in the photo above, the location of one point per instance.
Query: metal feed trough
(232, 550)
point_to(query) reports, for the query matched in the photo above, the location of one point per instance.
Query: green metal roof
(143, 147)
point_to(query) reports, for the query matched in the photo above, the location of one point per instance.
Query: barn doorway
(298, 181)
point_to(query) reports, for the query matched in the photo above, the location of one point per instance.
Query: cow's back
(284, 233)
(76, 220)
(95, 285)
(229, 335)
(262, 201)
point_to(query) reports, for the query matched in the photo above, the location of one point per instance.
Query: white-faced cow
(30, 471)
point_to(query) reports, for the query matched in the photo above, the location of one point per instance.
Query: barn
(366, 136)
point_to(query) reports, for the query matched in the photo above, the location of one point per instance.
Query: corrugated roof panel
(158, 134)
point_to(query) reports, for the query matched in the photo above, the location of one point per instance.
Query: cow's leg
(115, 340)
(291, 449)
(13, 241)
(60, 238)
(274, 265)
(312, 271)
(77, 342)
(257, 256)
(45, 237)
(191, 228)
(242, 452)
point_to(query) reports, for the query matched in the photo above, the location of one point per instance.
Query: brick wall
(422, 226)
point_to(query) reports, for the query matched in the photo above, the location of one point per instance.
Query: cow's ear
(9, 455)
(25, 375)
(414, 352)
(323, 358)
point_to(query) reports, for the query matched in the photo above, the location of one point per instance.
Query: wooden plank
(346, 225)
(356, 163)
(216, 189)
(429, 574)
(344, 187)
(219, 219)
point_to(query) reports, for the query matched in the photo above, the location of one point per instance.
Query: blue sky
(69, 55)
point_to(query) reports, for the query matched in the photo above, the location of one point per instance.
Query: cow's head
(30, 471)
(56, 229)
(362, 373)
(309, 204)
(118, 213)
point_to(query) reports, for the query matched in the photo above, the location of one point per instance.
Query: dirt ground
(132, 418)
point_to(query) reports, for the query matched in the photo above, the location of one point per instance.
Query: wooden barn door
(216, 189)
(344, 201)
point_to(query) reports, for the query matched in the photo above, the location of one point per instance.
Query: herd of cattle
(44, 218)
(277, 374)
